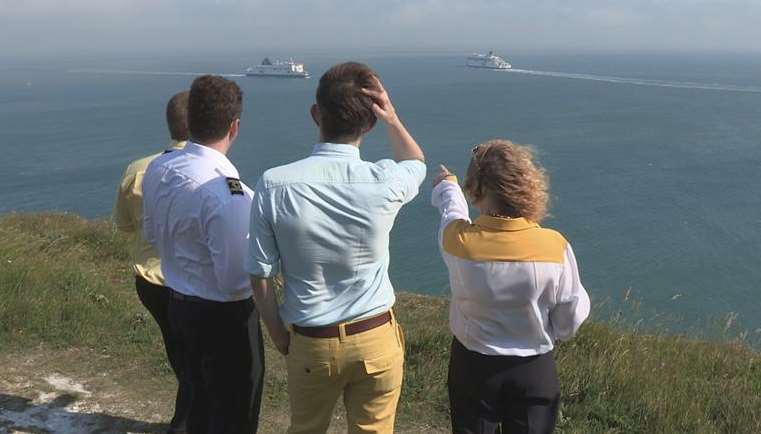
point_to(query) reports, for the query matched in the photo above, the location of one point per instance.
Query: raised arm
(403, 145)
(448, 198)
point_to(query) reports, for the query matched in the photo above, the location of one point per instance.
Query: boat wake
(639, 81)
(139, 72)
(568, 75)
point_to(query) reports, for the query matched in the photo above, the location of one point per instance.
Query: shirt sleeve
(146, 188)
(226, 229)
(447, 196)
(404, 178)
(572, 301)
(263, 257)
(122, 213)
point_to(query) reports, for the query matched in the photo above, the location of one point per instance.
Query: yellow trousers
(366, 367)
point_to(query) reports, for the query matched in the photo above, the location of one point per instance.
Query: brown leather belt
(351, 328)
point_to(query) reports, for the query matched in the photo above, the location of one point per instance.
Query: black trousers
(502, 394)
(156, 298)
(225, 361)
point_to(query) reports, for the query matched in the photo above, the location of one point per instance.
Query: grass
(65, 284)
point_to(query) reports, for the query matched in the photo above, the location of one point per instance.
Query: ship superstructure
(487, 61)
(278, 68)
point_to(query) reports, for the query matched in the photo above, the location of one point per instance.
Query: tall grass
(65, 282)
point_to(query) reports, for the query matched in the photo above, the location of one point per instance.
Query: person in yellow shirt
(151, 289)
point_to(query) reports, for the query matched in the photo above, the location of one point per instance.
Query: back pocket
(386, 371)
(307, 372)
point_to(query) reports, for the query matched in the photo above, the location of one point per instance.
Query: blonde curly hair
(505, 174)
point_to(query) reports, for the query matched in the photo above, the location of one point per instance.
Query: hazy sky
(50, 26)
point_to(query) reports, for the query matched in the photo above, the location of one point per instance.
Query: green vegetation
(65, 283)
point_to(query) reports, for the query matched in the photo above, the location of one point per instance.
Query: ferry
(487, 61)
(278, 68)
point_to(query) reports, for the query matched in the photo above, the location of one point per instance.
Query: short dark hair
(213, 104)
(345, 112)
(177, 116)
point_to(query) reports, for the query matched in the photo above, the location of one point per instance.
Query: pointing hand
(443, 174)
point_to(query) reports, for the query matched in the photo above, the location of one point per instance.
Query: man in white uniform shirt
(196, 213)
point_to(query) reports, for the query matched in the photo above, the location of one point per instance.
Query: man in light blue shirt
(324, 223)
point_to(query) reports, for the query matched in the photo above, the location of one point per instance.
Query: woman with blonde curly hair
(515, 291)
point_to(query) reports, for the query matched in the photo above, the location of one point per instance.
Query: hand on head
(382, 106)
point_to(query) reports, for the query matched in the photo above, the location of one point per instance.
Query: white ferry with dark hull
(487, 61)
(278, 68)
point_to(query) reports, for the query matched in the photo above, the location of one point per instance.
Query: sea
(654, 159)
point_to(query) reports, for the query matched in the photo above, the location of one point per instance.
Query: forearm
(566, 318)
(266, 303)
(122, 217)
(403, 145)
(572, 301)
(448, 198)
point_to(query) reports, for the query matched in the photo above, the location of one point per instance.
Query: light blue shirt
(324, 221)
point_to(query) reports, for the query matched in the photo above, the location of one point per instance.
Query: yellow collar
(505, 224)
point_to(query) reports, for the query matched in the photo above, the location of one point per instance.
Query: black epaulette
(235, 186)
(168, 151)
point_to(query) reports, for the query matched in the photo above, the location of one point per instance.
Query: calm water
(655, 161)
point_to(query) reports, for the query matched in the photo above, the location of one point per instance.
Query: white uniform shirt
(515, 285)
(196, 213)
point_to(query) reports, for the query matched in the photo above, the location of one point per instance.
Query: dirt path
(42, 392)
(77, 391)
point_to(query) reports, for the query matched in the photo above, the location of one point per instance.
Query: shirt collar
(213, 156)
(336, 150)
(505, 224)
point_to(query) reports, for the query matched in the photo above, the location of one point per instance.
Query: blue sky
(42, 26)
